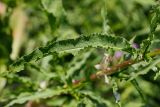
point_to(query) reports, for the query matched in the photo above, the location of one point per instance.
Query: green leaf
(70, 46)
(145, 70)
(77, 63)
(140, 91)
(25, 80)
(55, 12)
(24, 97)
(53, 6)
(157, 75)
(97, 100)
(155, 44)
(155, 19)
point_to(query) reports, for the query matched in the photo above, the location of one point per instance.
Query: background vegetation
(84, 53)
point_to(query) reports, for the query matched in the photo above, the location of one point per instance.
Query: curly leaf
(24, 97)
(70, 46)
(77, 63)
(96, 100)
(146, 70)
